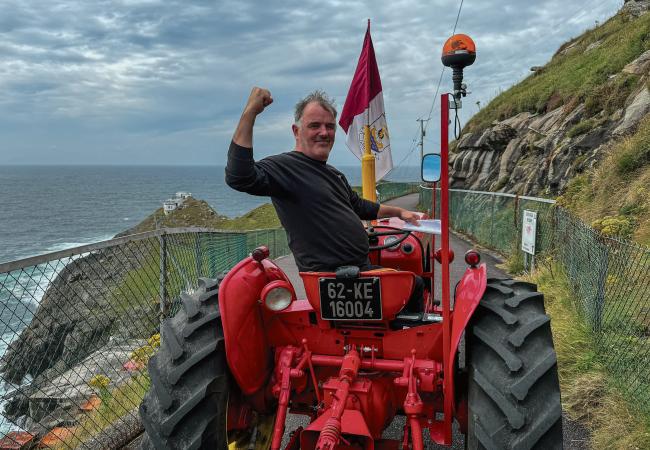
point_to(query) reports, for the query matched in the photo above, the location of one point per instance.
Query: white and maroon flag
(364, 105)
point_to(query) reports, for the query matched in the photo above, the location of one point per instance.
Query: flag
(364, 105)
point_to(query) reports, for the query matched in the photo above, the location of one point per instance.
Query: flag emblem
(364, 106)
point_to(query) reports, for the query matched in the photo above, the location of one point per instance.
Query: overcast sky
(164, 81)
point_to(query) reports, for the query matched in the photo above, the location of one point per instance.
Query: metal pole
(163, 277)
(198, 254)
(446, 313)
(494, 198)
(422, 134)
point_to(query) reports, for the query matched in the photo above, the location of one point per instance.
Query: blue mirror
(431, 168)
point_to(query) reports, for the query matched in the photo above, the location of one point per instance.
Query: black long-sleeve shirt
(316, 206)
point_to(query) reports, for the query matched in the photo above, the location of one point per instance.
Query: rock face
(636, 7)
(537, 154)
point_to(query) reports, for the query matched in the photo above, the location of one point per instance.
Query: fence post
(163, 277)
(198, 254)
(494, 199)
(601, 290)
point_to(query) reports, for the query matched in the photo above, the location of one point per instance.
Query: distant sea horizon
(46, 208)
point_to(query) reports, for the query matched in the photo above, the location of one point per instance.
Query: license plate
(350, 298)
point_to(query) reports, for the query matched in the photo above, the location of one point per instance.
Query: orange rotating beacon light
(458, 52)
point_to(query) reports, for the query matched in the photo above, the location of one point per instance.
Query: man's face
(315, 135)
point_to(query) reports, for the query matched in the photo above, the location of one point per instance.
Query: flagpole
(369, 190)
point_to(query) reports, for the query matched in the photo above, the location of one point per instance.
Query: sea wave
(67, 245)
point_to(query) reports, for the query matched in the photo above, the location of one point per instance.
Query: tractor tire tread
(499, 310)
(514, 302)
(515, 417)
(209, 284)
(518, 337)
(512, 361)
(190, 305)
(521, 387)
(157, 384)
(186, 405)
(170, 341)
(499, 287)
(191, 327)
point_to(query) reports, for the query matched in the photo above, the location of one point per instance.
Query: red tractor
(244, 351)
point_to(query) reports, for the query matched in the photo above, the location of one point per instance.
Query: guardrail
(610, 277)
(78, 326)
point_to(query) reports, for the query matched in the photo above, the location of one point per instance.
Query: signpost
(528, 234)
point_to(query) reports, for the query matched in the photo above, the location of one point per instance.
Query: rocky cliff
(564, 119)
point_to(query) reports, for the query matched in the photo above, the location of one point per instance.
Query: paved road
(576, 437)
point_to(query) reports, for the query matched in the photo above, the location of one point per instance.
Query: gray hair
(317, 96)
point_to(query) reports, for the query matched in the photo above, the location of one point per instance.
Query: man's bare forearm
(396, 211)
(244, 132)
(389, 211)
(258, 100)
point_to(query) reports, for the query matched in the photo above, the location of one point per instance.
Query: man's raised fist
(259, 99)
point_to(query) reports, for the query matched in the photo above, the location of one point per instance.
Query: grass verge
(589, 394)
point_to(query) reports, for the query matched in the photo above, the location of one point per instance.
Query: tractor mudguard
(469, 291)
(248, 353)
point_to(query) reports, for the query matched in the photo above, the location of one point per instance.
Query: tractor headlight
(277, 295)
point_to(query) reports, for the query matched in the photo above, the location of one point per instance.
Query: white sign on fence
(528, 232)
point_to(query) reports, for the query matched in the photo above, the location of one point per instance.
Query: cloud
(126, 81)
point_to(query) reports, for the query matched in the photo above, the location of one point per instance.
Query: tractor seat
(395, 288)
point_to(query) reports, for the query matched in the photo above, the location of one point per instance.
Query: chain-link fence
(391, 190)
(78, 326)
(610, 277)
(493, 219)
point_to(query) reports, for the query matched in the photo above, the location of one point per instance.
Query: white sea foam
(66, 245)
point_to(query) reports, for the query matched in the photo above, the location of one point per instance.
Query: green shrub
(501, 183)
(635, 152)
(617, 226)
(581, 128)
(610, 96)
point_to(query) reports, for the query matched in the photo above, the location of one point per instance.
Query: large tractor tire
(186, 406)
(514, 392)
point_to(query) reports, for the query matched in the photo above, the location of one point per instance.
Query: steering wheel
(392, 231)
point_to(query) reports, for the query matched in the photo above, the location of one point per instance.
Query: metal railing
(78, 326)
(610, 277)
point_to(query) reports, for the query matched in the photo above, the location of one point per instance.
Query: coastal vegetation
(198, 213)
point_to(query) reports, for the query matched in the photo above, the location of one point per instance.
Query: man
(314, 201)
